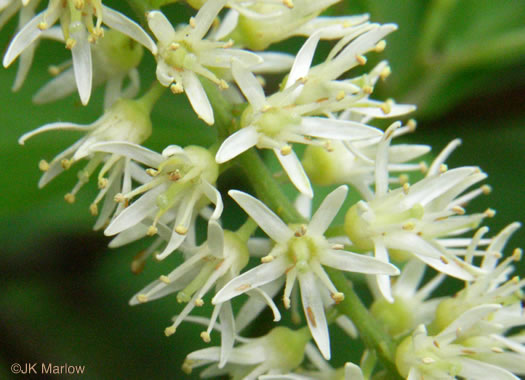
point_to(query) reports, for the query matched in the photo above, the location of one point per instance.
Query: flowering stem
(246, 230)
(151, 97)
(373, 334)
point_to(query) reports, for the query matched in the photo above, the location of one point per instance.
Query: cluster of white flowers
(392, 235)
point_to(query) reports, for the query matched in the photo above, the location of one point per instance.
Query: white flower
(184, 55)
(127, 120)
(411, 220)
(181, 184)
(279, 351)
(274, 122)
(300, 252)
(214, 263)
(458, 351)
(76, 19)
(115, 58)
(324, 166)
(411, 306)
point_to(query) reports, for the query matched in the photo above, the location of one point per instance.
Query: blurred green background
(65, 294)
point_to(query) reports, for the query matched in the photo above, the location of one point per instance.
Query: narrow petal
(127, 26)
(263, 216)
(160, 26)
(215, 239)
(353, 372)
(197, 96)
(314, 312)
(383, 281)
(82, 66)
(134, 213)
(57, 88)
(214, 196)
(227, 333)
(25, 37)
(466, 321)
(235, 144)
(54, 127)
(353, 262)
(134, 151)
(255, 305)
(205, 17)
(303, 60)
(260, 275)
(327, 211)
(295, 171)
(337, 129)
(477, 369)
(249, 85)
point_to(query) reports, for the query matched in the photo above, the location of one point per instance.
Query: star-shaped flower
(300, 253)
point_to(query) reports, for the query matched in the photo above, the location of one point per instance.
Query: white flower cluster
(396, 231)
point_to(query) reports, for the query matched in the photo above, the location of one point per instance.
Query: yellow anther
(79, 4)
(193, 24)
(152, 230)
(119, 198)
(142, 298)
(266, 108)
(412, 124)
(385, 73)
(199, 302)
(43, 165)
(169, 330)
(54, 70)
(286, 150)
(70, 43)
(403, 178)
(301, 231)
(152, 172)
(361, 59)
(380, 46)
(228, 44)
(70, 198)
(176, 88)
(338, 247)
(444, 260)
(288, 3)
(93, 209)
(408, 226)
(386, 107)
(423, 167)
(338, 297)
(286, 302)
(165, 279)
(181, 230)
(43, 25)
(406, 187)
(458, 210)
(443, 168)
(368, 89)
(516, 254)
(436, 343)
(340, 95)
(187, 367)
(486, 189)
(328, 146)
(497, 350)
(223, 84)
(102, 182)
(66, 164)
(174, 46)
(174, 175)
(267, 259)
(205, 337)
(489, 213)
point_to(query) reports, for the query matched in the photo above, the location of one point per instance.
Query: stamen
(43, 165)
(165, 279)
(93, 209)
(142, 298)
(361, 59)
(170, 330)
(70, 43)
(205, 337)
(70, 198)
(380, 46)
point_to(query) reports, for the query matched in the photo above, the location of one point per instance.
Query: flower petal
(263, 216)
(235, 144)
(249, 85)
(82, 66)
(303, 60)
(134, 151)
(327, 211)
(353, 262)
(160, 26)
(197, 96)
(337, 129)
(54, 127)
(295, 171)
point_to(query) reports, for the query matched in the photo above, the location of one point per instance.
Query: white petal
(134, 213)
(235, 144)
(215, 239)
(478, 369)
(197, 96)
(302, 62)
(125, 25)
(410, 278)
(54, 127)
(314, 312)
(466, 321)
(396, 110)
(57, 88)
(273, 62)
(260, 275)
(227, 333)
(383, 281)
(381, 172)
(174, 243)
(82, 66)
(258, 293)
(337, 129)
(249, 85)
(160, 26)
(214, 196)
(205, 17)
(353, 262)
(26, 59)
(253, 307)
(263, 216)
(228, 24)
(25, 37)
(134, 151)
(295, 171)
(353, 372)
(327, 211)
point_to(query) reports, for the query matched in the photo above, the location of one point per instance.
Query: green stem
(267, 188)
(371, 331)
(151, 97)
(246, 230)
